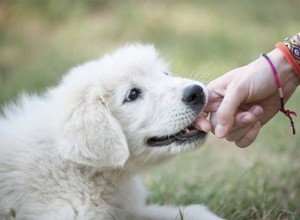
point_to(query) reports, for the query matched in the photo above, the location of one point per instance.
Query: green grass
(41, 40)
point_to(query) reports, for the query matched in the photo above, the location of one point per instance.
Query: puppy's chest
(79, 186)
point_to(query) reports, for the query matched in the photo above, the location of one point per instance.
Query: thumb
(225, 114)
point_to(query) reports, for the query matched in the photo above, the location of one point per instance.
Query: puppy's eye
(132, 95)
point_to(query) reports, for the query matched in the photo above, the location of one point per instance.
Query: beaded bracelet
(290, 47)
(286, 112)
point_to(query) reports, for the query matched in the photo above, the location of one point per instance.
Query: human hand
(248, 90)
(245, 129)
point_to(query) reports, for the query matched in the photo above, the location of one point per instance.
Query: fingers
(243, 122)
(225, 116)
(250, 136)
(202, 123)
(246, 127)
(244, 130)
(256, 110)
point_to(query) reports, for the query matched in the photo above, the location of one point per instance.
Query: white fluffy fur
(74, 152)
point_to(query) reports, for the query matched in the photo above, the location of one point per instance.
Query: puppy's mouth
(187, 135)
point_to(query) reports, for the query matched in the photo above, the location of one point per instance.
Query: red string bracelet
(286, 112)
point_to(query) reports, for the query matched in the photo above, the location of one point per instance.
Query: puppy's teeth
(187, 130)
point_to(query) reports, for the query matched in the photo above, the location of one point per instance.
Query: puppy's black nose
(193, 96)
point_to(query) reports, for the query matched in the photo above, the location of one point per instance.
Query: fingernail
(257, 111)
(206, 129)
(247, 119)
(220, 130)
(197, 125)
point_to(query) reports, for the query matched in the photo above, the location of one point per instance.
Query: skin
(244, 99)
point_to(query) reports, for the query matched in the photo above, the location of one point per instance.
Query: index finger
(225, 114)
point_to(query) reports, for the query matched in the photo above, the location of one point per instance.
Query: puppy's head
(131, 106)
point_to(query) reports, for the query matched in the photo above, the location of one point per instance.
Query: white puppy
(74, 152)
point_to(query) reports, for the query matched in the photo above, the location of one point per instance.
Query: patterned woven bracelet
(290, 47)
(286, 112)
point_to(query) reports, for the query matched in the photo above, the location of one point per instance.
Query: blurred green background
(41, 40)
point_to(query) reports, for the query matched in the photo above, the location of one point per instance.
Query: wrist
(287, 75)
(287, 84)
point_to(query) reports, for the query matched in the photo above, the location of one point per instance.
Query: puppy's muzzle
(194, 97)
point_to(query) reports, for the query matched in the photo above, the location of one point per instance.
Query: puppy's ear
(93, 136)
